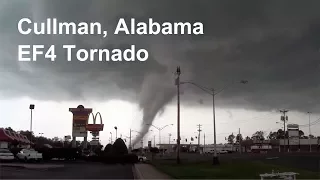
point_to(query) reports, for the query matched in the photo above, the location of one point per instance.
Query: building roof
(8, 136)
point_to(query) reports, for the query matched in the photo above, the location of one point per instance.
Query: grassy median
(226, 170)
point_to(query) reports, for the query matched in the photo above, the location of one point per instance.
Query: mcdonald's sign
(95, 127)
(80, 121)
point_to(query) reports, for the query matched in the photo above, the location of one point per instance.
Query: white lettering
(142, 51)
(21, 52)
(121, 26)
(35, 51)
(129, 52)
(69, 52)
(52, 26)
(85, 55)
(21, 31)
(50, 54)
(198, 28)
(154, 28)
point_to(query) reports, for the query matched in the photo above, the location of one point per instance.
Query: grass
(227, 170)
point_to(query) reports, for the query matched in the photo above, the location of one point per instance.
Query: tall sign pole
(178, 73)
(79, 123)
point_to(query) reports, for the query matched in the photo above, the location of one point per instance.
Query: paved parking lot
(76, 170)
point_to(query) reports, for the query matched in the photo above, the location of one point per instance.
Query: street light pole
(212, 92)
(116, 132)
(159, 129)
(31, 107)
(111, 137)
(178, 73)
(215, 156)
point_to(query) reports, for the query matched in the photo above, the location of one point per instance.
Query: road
(83, 170)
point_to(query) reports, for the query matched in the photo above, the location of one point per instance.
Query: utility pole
(309, 132)
(130, 145)
(204, 142)
(284, 118)
(240, 139)
(178, 73)
(199, 130)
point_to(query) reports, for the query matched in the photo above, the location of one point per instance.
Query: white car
(142, 158)
(6, 155)
(29, 154)
(223, 152)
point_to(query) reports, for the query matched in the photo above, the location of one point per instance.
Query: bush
(119, 147)
(123, 159)
(15, 151)
(108, 149)
(154, 150)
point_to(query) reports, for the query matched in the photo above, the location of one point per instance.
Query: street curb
(26, 167)
(136, 173)
(15, 166)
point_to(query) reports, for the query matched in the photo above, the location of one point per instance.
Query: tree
(231, 138)
(108, 149)
(301, 133)
(311, 136)
(239, 138)
(248, 138)
(259, 135)
(119, 147)
(272, 136)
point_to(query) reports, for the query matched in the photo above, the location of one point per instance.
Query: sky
(275, 45)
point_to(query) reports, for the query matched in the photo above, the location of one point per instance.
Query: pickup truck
(29, 154)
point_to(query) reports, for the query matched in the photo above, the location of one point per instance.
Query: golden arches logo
(95, 117)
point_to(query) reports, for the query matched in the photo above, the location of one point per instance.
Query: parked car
(142, 158)
(223, 152)
(29, 154)
(6, 155)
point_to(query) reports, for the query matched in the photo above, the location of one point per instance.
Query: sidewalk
(147, 171)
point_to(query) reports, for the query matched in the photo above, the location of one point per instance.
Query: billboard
(80, 121)
(292, 126)
(293, 133)
(294, 141)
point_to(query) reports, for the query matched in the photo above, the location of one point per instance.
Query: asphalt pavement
(76, 170)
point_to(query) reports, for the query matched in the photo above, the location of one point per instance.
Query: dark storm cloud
(272, 44)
